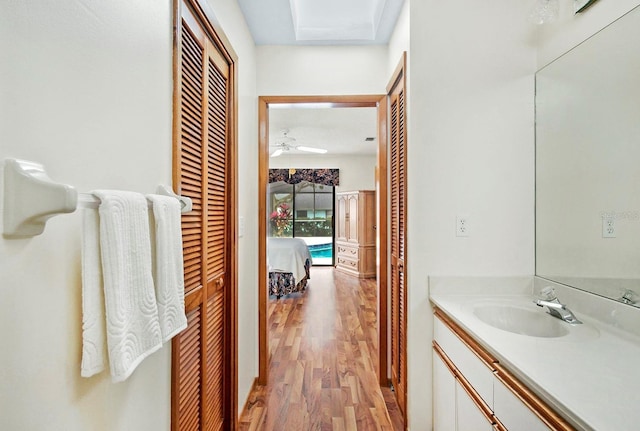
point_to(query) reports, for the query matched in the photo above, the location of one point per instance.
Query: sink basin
(532, 321)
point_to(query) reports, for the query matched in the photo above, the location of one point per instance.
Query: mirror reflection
(588, 164)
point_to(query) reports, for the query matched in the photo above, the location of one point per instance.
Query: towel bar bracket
(31, 198)
(186, 204)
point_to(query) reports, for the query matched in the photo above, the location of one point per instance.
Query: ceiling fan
(287, 143)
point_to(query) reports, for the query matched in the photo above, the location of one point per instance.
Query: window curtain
(327, 177)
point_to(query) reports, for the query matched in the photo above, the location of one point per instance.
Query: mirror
(588, 164)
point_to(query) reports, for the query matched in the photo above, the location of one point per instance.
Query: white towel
(93, 323)
(133, 330)
(169, 269)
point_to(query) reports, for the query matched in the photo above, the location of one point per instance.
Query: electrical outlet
(462, 226)
(608, 227)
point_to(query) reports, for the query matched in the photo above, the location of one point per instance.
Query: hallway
(322, 372)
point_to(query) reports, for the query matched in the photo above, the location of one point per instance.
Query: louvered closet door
(199, 389)
(398, 241)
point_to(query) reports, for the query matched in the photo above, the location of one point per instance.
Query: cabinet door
(341, 225)
(367, 218)
(444, 396)
(513, 413)
(471, 367)
(470, 417)
(352, 218)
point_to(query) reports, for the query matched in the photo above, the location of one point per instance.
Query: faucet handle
(629, 297)
(548, 293)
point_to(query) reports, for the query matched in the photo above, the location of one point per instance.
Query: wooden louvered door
(398, 293)
(203, 370)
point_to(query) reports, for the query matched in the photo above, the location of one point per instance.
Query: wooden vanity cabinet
(473, 391)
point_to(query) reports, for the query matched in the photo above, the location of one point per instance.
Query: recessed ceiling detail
(321, 22)
(336, 19)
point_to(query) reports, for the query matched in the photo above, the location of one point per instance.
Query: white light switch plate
(240, 227)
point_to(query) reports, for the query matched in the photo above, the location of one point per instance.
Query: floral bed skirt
(284, 283)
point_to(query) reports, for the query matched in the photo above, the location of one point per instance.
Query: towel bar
(31, 198)
(88, 200)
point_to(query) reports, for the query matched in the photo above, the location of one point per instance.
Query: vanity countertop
(591, 376)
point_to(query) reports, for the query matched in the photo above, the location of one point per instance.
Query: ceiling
(321, 22)
(341, 131)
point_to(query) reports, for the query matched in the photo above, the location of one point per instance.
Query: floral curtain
(327, 177)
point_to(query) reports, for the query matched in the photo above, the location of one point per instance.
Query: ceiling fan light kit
(311, 149)
(285, 143)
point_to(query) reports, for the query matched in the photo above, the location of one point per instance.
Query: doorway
(304, 210)
(360, 101)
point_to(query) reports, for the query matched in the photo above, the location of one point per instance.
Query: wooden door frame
(354, 101)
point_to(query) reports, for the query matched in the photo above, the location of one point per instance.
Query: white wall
(356, 172)
(229, 16)
(87, 92)
(321, 70)
(470, 152)
(400, 39)
(85, 89)
(569, 30)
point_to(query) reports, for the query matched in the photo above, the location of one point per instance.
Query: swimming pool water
(321, 250)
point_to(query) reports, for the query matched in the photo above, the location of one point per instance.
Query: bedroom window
(304, 210)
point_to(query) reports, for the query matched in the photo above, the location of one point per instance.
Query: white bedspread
(288, 255)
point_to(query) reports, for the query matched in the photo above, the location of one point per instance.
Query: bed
(288, 262)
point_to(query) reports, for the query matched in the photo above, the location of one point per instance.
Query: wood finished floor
(322, 375)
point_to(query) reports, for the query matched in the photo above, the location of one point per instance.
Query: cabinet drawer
(348, 252)
(477, 373)
(348, 263)
(513, 413)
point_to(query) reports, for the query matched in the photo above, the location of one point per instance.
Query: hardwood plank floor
(322, 371)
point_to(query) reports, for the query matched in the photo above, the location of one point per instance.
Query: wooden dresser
(356, 233)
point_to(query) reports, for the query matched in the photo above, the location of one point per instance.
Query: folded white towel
(169, 269)
(93, 323)
(133, 330)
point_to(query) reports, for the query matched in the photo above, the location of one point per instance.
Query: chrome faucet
(555, 307)
(629, 297)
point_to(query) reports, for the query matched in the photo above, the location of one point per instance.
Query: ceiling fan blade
(312, 150)
(277, 152)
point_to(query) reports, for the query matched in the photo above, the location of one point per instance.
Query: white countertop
(590, 376)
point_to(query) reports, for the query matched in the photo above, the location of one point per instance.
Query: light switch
(240, 226)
